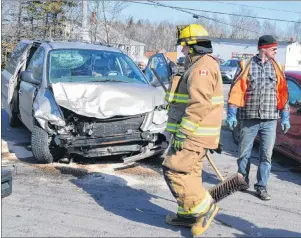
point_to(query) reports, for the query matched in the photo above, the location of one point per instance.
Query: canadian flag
(203, 72)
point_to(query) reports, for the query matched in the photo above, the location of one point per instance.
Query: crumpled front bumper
(113, 145)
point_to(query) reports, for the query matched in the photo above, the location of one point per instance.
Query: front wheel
(40, 145)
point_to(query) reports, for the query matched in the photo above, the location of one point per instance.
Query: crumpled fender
(46, 110)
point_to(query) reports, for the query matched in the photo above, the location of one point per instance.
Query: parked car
(290, 143)
(79, 98)
(229, 70)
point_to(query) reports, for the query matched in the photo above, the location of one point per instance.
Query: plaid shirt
(261, 99)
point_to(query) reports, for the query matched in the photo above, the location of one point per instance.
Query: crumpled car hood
(105, 100)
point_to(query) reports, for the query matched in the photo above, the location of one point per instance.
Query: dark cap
(267, 41)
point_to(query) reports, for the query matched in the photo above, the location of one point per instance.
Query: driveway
(96, 198)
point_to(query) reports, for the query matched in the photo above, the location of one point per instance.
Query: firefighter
(257, 96)
(195, 118)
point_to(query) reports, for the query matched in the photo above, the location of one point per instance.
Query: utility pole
(84, 33)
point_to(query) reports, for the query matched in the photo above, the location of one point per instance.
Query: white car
(79, 98)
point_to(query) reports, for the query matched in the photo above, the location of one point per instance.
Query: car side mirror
(27, 76)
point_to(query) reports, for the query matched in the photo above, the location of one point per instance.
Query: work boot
(204, 221)
(262, 193)
(176, 220)
(244, 183)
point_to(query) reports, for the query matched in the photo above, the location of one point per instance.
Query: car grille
(117, 126)
(88, 126)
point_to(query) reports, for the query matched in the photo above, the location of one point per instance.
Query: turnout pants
(183, 175)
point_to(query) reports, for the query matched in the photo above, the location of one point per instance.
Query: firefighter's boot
(203, 222)
(176, 220)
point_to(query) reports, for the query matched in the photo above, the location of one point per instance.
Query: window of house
(137, 50)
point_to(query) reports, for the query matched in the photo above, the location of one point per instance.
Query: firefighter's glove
(178, 142)
(231, 118)
(285, 121)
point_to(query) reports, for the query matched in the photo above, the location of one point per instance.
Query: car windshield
(80, 65)
(231, 63)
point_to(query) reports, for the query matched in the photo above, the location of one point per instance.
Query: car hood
(105, 100)
(227, 68)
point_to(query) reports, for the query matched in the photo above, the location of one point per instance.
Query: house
(288, 54)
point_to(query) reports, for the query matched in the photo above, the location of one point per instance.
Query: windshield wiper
(109, 80)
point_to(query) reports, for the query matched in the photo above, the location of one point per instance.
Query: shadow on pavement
(283, 167)
(251, 229)
(116, 196)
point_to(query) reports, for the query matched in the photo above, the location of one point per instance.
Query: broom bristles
(227, 187)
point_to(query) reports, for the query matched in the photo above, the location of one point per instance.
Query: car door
(28, 90)
(291, 141)
(160, 65)
(10, 74)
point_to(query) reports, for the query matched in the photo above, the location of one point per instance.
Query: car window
(160, 65)
(36, 64)
(74, 65)
(14, 57)
(294, 91)
(233, 63)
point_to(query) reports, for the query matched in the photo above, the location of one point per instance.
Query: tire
(6, 183)
(236, 133)
(40, 145)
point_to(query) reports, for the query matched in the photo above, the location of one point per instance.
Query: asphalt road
(93, 198)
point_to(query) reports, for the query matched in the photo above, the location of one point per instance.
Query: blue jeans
(266, 129)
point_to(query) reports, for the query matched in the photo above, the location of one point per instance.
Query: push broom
(227, 186)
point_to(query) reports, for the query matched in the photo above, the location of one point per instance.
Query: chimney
(94, 17)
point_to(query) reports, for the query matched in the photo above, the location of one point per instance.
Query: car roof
(81, 45)
(294, 74)
(75, 44)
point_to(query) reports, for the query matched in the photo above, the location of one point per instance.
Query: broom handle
(214, 167)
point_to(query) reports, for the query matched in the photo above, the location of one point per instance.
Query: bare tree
(244, 27)
(297, 31)
(107, 12)
(269, 28)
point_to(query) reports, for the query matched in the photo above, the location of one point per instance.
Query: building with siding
(288, 54)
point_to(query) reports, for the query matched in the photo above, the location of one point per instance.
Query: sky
(157, 14)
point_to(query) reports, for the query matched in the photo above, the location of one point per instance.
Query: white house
(288, 54)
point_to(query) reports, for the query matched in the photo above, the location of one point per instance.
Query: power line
(222, 13)
(197, 16)
(272, 9)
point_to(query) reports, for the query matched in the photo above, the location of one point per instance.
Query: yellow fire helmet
(191, 34)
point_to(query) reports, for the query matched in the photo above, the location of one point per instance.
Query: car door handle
(20, 91)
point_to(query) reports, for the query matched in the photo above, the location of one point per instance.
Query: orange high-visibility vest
(237, 93)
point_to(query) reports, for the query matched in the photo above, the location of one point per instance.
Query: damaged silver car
(86, 99)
